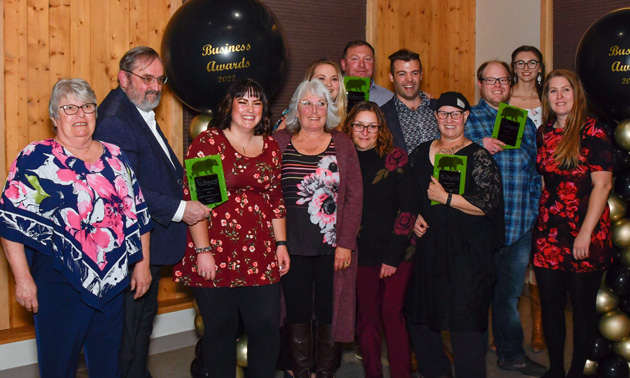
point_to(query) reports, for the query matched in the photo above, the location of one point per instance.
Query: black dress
(455, 270)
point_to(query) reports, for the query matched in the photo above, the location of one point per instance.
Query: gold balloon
(199, 124)
(617, 206)
(622, 348)
(199, 325)
(624, 257)
(240, 373)
(590, 367)
(606, 300)
(241, 351)
(614, 325)
(621, 233)
(622, 134)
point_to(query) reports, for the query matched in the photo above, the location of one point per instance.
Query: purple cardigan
(349, 207)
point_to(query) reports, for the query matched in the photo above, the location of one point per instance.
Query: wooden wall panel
(441, 31)
(4, 289)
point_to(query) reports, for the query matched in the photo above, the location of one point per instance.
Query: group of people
(334, 226)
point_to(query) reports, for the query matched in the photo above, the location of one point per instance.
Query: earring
(539, 79)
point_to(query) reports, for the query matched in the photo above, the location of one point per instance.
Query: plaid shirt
(521, 182)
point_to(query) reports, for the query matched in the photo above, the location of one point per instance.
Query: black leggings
(308, 276)
(582, 289)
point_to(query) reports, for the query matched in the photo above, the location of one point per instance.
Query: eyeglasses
(148, 79)
(319, 104)
(359, 127)
(530, 63)
(72, 109)
(455, 114)
(493, 80)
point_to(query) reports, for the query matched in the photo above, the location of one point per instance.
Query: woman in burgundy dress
(572, 235)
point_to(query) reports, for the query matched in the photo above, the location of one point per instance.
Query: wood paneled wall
(45, 40)
(441, 31)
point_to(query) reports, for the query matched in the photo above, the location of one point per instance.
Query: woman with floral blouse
(321, 183)
(572, 235)
(234, 261)
(385, 251)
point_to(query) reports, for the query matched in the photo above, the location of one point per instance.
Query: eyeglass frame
(446, 114)
(524, 63)
(494, 80)
(150, 79)
(354, 125)
(309, 104)
(82, 107)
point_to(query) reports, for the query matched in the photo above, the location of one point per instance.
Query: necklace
(449, 151)
(74, 148)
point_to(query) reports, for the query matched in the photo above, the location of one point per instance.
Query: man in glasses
(408, 114)
(126, 118)
(521, 191)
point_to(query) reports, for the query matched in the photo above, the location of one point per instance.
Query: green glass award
(509, 125)
(357, 89)
(450, 171)
(206, 181)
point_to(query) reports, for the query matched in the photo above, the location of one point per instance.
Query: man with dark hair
(358, 61)
(408, 114)
(126, 118)
(521, 191)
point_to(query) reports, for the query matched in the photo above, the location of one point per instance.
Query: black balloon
(612, 367)
(198, 369)
(618, 279)
(198, 349)
(624, 304)
(621, 160)
(601, 348)
(209, 44)
(603, 63)
(622, 186)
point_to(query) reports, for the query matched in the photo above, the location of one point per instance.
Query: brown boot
(300, 340)
(327, 352)
(538, 339)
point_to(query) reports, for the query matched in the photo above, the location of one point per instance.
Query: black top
(388, 203)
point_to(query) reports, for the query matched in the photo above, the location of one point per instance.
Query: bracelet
(448, 200)
(281, 242)
(203, 250)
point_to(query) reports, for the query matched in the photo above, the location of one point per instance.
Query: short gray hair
(76, 87)
(317, 88)
(130, 60)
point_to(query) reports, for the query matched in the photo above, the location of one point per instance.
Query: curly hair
(384, 140)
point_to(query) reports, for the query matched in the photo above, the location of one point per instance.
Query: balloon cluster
(610, 355)
(198, 368)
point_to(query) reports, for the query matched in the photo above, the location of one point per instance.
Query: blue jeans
(511, 262)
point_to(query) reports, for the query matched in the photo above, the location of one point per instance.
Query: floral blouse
(87, 217)
(565, 198)
(240, 230)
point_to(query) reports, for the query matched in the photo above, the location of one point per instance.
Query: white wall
(504, 25)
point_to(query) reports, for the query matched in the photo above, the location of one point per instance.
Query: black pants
(137, 328)
(469, 352)
(308, 289)
(582, 288)
(259, 307)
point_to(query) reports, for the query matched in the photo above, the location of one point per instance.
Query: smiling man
(358, 60)
(408, 114)
(521, 191)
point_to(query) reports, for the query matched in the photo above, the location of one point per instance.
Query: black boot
(327, 352)
(300, 341)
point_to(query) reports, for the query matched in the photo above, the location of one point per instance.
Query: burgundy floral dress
(564, 201)
(240, 230)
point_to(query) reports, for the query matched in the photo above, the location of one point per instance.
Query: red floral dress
(240, 230)
(564, 201)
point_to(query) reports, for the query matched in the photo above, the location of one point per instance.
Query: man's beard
(141, 100)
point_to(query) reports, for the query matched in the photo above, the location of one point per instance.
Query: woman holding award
(458, 232)
(234, 261)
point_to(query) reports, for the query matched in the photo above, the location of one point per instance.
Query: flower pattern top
(310, 185)
(389, 209)
(87, 217)
(240, 229)
(565, 198)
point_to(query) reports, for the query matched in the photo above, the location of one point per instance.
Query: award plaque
(450, 171)
(206, 181)
(509, 125)
(357, 89)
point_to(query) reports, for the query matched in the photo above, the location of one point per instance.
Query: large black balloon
(198, 369)
(603, 63)
(624, 304)
(621, 160)
(612, 367)
(199, 349)
(618, 279)
(622, 186)
(601, 348)
(209, 44)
